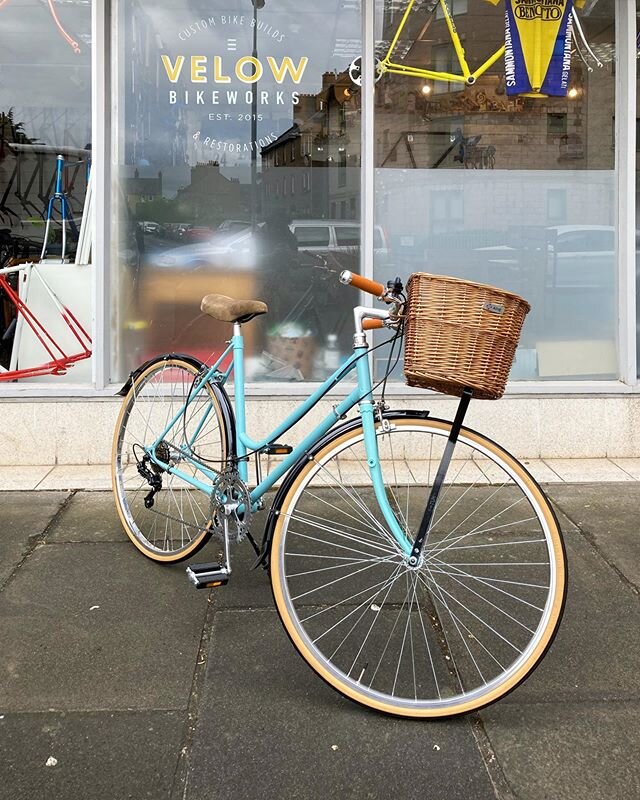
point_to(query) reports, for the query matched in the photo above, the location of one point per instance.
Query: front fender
(287, 483)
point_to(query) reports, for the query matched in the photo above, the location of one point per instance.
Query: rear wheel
(450, 636)
(179, 521)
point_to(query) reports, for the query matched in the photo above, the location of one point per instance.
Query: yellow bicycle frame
(467, 77)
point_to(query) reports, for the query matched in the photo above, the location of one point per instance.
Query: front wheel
(178, 523)
(450, 636)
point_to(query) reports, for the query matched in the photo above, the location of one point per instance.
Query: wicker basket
(460, 335)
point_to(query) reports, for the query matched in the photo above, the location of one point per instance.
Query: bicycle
(416, 566)
(387, 64)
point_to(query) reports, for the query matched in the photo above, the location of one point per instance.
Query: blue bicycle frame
(361, 396)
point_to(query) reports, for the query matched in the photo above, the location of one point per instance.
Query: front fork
(367, 414)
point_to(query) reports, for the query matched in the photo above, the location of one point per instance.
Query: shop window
(45, 112)
(447, 210)
(232, 159)
(556, 124)
(510, 190)
(556, 206)
(342, 167)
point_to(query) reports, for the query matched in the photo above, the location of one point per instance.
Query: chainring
(229, 488)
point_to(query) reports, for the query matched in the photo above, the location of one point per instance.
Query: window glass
(308, 236)
(233, 114)
(45, 150)
(347, 237)
(520, 189)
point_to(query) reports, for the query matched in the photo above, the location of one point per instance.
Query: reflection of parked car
(337, 238)
(573, 256)
(151, 227)
(197, 234)
(233, 225)
(221, 250)
(333, 236)
(584, 257)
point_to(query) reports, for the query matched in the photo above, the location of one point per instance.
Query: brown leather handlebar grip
(372, 324)
(366, 285)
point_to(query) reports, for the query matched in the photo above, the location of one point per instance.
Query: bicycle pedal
(208, 576)
(278, 449)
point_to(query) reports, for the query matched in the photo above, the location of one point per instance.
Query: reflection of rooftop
(207, 178)
(144, 187)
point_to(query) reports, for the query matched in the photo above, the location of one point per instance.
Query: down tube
(373, 456)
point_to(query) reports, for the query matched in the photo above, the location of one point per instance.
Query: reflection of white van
(335, 235)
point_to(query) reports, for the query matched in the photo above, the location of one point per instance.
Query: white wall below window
(79, 431)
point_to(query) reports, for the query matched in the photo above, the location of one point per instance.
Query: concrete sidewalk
(119, 680)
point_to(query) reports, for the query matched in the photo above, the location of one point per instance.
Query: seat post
(240, 410)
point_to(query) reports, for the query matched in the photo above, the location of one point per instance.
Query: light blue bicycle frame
(361, 396)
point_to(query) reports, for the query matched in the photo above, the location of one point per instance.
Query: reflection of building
(211, 197)
(312, 169)
(142, 190)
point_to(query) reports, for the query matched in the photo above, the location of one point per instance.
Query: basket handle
(364, 284)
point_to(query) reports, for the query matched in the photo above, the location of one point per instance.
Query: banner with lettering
(538, 42)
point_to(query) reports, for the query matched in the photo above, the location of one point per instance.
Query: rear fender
(228, 417)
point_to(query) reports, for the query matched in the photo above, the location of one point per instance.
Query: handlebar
(372, 324)
(364, 284)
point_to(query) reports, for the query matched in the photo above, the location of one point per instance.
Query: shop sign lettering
(246, 69)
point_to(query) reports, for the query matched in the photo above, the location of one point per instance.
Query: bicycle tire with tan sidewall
(125, 513)
(351, 688)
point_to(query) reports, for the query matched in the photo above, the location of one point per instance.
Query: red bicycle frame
(59, 360)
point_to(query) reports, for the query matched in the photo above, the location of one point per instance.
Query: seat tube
(367, 413)
(240, 409)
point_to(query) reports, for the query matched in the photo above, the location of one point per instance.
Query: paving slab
(88, 517)
(99, 756)
(97, 626)
(247, 588)
(611, 516)
(268, 727)
(596, 654)
(24, 516)
(559, 751)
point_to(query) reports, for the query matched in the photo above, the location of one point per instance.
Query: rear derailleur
(152, 473)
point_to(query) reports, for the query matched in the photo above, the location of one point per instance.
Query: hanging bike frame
(467, 77)
(59, 360)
